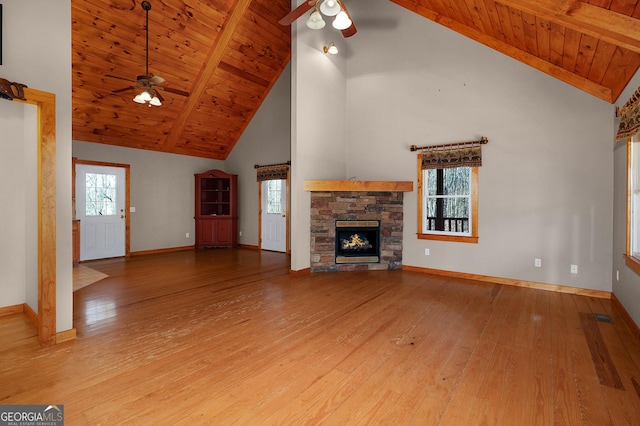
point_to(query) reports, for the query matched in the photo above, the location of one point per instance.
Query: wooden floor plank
(566, 407)
(230, 337)
(589, 389)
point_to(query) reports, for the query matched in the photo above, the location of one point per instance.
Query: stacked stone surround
(327, 207)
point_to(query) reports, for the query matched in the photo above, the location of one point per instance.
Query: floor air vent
(603, 318)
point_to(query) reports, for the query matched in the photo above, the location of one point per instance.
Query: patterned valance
(449, 157)
(272, 171)
(630, 119)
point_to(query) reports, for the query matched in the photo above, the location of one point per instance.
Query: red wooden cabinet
(216, 209)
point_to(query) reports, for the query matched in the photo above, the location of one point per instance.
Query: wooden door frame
(45, 103)
(288, 200)
(127, 195)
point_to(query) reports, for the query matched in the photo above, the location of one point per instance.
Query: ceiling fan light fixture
(142, 97)
(330, 7)
(155, 101)
(315, 21)
(342, 21)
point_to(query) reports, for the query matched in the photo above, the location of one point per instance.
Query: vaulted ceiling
(593, 45)
(227, 54)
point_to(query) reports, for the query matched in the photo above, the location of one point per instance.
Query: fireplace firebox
(357, 241)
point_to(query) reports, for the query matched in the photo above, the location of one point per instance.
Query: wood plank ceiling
(228, 54)
(593, 45)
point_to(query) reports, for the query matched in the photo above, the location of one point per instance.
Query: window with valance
(448, 191)
(271, 177)
(272, 172)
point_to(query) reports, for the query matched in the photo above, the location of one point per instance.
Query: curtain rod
(258, 166)
(483, 140)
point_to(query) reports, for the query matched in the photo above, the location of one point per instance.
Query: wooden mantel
(358, 185)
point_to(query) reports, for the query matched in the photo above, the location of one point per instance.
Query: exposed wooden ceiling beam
(210, 65)
(604, 24)
(560, 73)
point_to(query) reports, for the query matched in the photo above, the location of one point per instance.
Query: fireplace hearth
(357, 241)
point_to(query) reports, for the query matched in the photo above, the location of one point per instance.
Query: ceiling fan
(148, 84)
(342, 20)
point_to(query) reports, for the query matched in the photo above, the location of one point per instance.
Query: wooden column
(46, 104)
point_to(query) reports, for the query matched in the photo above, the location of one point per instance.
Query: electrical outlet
(574, 269)
(427, 252)
(187, 236)
(240, 233)
(617, 275)
(538, 263)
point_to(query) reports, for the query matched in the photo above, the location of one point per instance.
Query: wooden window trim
(630, 261)
(473, 238)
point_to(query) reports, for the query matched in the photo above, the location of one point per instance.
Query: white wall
(13, 224)
(627, 288)
(37, 52)
(546, 183)
(318, 123)
(266, 140)
(30, 190)
(546, 180)
(162, 192)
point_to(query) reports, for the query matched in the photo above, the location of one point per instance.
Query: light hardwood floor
(229, 337)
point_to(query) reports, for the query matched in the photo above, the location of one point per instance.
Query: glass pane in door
(274, 195)
(101, 194)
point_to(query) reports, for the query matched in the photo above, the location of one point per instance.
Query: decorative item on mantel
(11, 90)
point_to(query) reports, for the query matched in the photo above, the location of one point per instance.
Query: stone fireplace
(346, 213)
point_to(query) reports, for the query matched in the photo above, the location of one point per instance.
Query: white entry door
(274, 215)
(100, 206)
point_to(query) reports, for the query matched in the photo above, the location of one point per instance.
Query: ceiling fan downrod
(147, 7)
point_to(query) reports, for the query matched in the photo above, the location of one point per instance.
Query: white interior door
(100, 206)
(274, 215)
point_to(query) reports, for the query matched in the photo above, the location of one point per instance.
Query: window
(101, 194)
(274, 196)
(633, 204)
(448, 191)
(448, 207)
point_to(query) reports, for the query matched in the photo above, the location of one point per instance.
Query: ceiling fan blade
(156, 79)
(124, 89)
(170, 90)
(348, 32)
(119, 78)
(297, 12)
(159, 96)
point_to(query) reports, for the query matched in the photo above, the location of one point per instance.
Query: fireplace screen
(357, 241)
